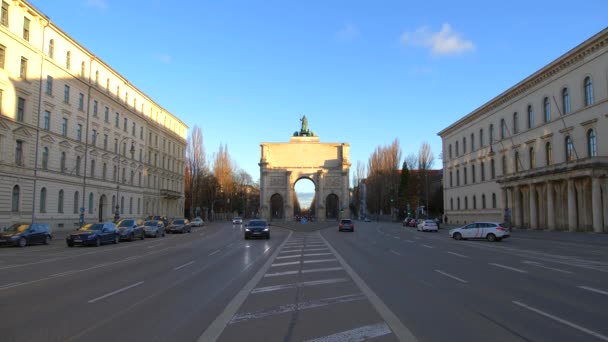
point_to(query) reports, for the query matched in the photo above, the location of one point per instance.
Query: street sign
(82, 210)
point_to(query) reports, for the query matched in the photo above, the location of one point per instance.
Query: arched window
(62, 162)
(494, 200)
(566, 100)
(532, 157)
(15, 199)
(547, 109)
(503, 129)
(77, 168)
(483, 201)
(60, 202)
(588, 91)
(45, 158)
(591, 143)
(530, 117)
(51, 48)
(569, 149)
(76, 202)
(515, 126)
(91, 199)
(43, 200)
(548, 153)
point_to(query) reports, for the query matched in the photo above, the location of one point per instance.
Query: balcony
(170, 194)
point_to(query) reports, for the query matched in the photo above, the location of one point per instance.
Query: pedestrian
(445, 220)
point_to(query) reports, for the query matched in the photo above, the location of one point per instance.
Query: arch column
(320, 210)
(572, 214)
(596, 199)
(533, 207)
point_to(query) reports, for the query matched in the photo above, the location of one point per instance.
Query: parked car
(179, 226)
(367, 219)
(413, 223)
(406, 222)
(154, 228)
(158, 217)
(257, 228)
(94, 234)
(23, 234)
(346, 224)
(427, 226)
(237, 220)
(493, 231)
(197, 222)
(131, 229)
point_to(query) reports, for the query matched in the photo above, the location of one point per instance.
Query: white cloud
(347, 32)
(444, 42)
(164, 58)
(99, 4)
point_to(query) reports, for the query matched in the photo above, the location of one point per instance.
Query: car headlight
(15, 237)
(247, 229)
(266, 229)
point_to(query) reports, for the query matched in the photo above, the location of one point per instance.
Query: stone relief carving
(277, 181)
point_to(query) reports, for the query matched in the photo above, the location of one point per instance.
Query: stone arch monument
(327, 165)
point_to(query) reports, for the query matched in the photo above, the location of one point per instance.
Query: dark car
(23, 234)
(257, 228)
(154, 228)
(179, 226)
(130, 229)
(93, 234)
(346, 224)
(158, 218)
(406, 222)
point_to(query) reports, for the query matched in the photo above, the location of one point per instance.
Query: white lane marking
(62, 273)
(593, 290)
(297, 285)
(246, 316)
(395, 252)
(324, 269)
(508, 268)
(285, 263)
(154, 246)
(410, 241)
(316, 261)
(184, 265)
(7, 286)
(451, 276)
(538, 264)
(316, 254)
(201, 234)
(358, 334)
(427, 246)
(395, 324)
(214, 252)
(458, 254)
(115, 292)
(289, 256)
(561, 320)
(278, 274)
(316, 249)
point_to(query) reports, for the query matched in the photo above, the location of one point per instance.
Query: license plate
(256, 233)
(77, 240)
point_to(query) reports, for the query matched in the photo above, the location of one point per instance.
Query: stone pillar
(533, 207)
(550, 207)
(596, 199)
(288, 205)
(345, 200)
(572, 216)
(320, 210)
(517, 207)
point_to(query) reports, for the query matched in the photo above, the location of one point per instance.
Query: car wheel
(164, 234)
(457, 236)
(246, 237)
(268, 237)
(498, 239)
(143, 236)
(116, 239)
(47, 240)
(22, 242)
(491, 237)
(70, 244)
(97, 242)
(131, 237)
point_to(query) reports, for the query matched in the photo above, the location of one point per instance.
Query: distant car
(158, 217)
(492, 231)
(257, 228)
(407, 221)
(346, 224)
(237, 220)
(179, 226)
(23, 234)
(197, 222)
(93, 234)
(131, 229)
(427, 226)
(367, 219)
(154, 228)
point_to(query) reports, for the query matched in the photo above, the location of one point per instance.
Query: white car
(237, 220)
(197, 222)
(492, 231)
(427, 226)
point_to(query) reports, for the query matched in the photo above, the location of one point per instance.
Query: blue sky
(363, 72)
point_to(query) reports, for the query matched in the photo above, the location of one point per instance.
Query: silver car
(154, 228)
(197, 222)
(492, 231)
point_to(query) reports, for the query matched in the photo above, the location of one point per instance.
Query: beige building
(76, 135)
(536, 154)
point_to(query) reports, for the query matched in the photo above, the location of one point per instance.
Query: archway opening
(332, 207)
(276, 206)
(304, 199)
(102, 204)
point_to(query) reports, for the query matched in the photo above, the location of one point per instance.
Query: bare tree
(383, 178)
(425, 163)
(196, 169)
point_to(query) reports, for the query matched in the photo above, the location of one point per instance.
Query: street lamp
(132, 151)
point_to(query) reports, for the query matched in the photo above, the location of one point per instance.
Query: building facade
(537, 154)
(77, 139)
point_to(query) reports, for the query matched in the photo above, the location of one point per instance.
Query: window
(503, 129)
(464, 145)
(91, 203)
(465, 176)
(106, 114)
(114, 173)
(82, 70)
(124, 124)
(2, 55)
(60, 202)
(75, 202)
(97, 78)
(104, 171)
(516, 162)
(548, 153)
(20, 109)
(64, 127)
(141, 132)
(116, 120)
(77, 168)
(138, 206)
(116, 146)
(26, 28)
(81, 101)
(457, 177)
(492, 169)
(481, 138)
(94, 137)
(515, 126)
(52, 48)
(473, 173)
(23, 68)
(68, 60)
(466, 203)
(566, 100)
(107, 85)
(532, 156)
(569, 149)
(114, 202)
(547, 109)
(79, 132)
(47, 120)
(124, 175)
(66, 94)
(491, 134)
(19, 152)
(472, 143)
(474, 202)
(131, 205)
(457, 152)
(133, 129)
(483, 171)
(451, 204)
(450, 151)
(122, 204)
(504, 165)
(530, 117)
(62, 162)
(105, 141)
(588, 91)
(591, 143)
(4, 14)
(494, 200)
(16, 190)
(95, 104)
(483, 201)
(141, 155)
(132, 179)
(92, 168)
(458, 203)
(127, 98)
(43, 200)
(139, 179)
(45, 158)
(49, 85)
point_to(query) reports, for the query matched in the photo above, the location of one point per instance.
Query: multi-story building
(76, 137)
(537, 154)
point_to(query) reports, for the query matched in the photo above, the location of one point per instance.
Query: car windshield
(92, 226)
(18, 228)
(151, 223)
(345, 221)
(257, 223)
(125, 223)
(178, 222)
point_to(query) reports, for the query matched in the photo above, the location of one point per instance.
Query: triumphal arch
(327, 165)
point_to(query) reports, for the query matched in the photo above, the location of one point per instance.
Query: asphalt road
(382, 282)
